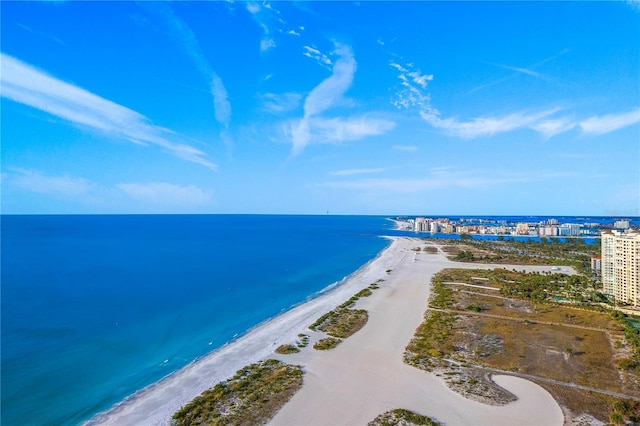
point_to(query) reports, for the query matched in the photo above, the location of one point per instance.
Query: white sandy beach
(361, 378)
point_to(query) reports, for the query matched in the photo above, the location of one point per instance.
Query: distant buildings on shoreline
(547, 228)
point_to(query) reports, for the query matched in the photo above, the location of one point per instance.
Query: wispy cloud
(325, 95)
(598, 125)
(271, 22)
(187, 39)
(351, 172)
(260, 16)
(316, 128)
(41, 34)
(126, 197)
(59, 186)
(25, 84)
(443, 178)
(221, 104)
(165, 194)
(332, 89)
(278, 103)
(634, 4)
(518, 69)
(528, 70)
(413, 84)
(315, 54)
(485, 126)
(333, 130)
(552, 127)
(413, 94)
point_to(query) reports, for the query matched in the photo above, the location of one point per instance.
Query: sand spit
(361, 378)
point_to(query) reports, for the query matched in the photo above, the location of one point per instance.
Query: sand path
(365, 375)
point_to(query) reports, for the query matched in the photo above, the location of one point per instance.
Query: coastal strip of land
(362, 377)
(155, 404)
(366, 376)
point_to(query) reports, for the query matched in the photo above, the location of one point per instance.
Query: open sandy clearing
(365, 375)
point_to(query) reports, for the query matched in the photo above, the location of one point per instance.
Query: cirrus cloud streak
(27, 85)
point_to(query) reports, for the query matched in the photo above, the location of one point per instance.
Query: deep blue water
(96, 307)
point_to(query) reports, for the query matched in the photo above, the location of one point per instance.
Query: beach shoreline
(376, 378)
(156, 403)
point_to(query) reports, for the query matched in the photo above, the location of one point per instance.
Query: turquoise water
(97, 307)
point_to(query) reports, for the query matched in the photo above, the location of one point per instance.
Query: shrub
(327, 343)
(287, 349)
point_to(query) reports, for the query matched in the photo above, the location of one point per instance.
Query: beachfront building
(421, 225)
(621, 224)
(569, 230)
(548, 231)
(621, 266)
(522, 228)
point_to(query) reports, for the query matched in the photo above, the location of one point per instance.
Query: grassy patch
(429, 342)
(303, 341)
(287, 349)
(402, 417)
(572, 252)
(327, 343)
(365, 292)
(253, 396)
(342, 322)
(480, 329)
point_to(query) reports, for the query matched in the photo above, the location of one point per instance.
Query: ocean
(97, 307)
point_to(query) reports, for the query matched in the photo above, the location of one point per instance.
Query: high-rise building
(421, 225)
(569, 229)
(621, 224)
(621, 265)
(522, 228)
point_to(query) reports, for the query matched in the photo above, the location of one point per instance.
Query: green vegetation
(303, 342)
(506, 320)
(573, 251)
(365, 292)
(402, 417)
(475, 308)
(253, 396)
(534, 286)
(287, 349)
(327, 343)
(342, 322)
(626, 409)
(465, 256)
(632, 337)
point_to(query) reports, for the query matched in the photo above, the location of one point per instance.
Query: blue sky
(303, 107)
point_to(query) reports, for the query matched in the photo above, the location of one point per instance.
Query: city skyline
(307, 108)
